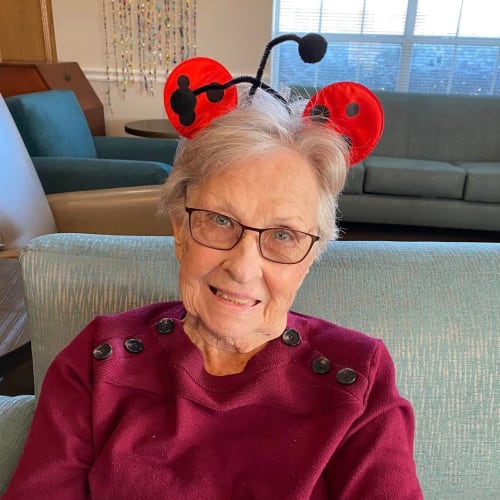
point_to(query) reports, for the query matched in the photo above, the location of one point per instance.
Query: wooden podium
(23, 78)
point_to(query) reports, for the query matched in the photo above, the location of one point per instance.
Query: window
(428, 46)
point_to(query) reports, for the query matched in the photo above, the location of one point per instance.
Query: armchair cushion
(52, 123)
(59, 175)
(136, 148)
(16, 414)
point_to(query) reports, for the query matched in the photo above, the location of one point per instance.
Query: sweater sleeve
(375, 459)
(59, 450)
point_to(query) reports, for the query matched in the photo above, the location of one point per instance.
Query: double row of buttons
(290, 337)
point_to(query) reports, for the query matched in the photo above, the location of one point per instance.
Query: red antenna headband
(200, 89)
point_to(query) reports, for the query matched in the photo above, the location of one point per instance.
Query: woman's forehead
(273, 187)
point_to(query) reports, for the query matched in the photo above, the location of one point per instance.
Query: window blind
(428, 46)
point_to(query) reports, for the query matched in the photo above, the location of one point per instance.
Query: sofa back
(436, 306)
(440, 127)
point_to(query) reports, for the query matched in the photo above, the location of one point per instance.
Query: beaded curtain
(145, 39)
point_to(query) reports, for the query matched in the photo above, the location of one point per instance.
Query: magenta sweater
(315, 414)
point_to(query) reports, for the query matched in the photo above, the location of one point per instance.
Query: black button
(321, 365)
(346, 376)
(133, 345)
(291, 337)
(165, 325)
(102, 351)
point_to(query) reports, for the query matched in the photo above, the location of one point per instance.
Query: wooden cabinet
(23, 78)
(27, 31)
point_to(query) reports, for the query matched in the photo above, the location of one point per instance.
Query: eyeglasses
(277, 244)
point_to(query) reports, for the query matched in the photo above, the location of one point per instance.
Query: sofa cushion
(60, 175)
(482, 182)
(407, 177)
(355, 179)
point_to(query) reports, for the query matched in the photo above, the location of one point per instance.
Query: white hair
(257, 127)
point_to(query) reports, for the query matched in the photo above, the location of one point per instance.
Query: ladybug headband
(200, 89)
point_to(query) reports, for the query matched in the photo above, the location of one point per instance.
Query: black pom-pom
(187, 118)
(182, 101)
(215, 95)
(312, 48)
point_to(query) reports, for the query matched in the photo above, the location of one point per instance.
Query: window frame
(406, 41)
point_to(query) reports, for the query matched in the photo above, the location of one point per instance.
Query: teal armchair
(68, 158)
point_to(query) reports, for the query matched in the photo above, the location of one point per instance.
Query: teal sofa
(436, 305)
(68, 158)
(437, 164)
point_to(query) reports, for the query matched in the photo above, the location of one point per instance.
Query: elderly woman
(233, 395)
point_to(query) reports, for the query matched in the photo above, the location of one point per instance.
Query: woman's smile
(234, 298)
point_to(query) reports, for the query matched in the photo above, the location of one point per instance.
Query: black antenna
(236, 81)
(312, 48)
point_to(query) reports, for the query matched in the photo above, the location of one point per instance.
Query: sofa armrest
(59, 175)
(129, 211)
(136, 148)
(16, 414)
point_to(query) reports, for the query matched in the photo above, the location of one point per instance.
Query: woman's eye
(284, 236)
(221, 220)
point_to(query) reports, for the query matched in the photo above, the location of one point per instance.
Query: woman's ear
(179, 230)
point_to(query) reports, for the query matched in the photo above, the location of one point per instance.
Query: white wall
(234, 32)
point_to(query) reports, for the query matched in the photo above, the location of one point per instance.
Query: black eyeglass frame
(314, 237)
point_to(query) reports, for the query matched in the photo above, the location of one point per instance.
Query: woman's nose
(244, 261)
